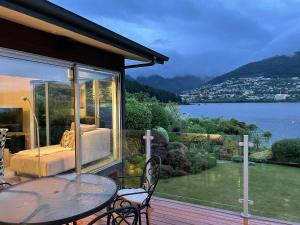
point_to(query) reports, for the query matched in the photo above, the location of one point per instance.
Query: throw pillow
(67, 139)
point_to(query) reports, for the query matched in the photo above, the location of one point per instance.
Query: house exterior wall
(21, 38)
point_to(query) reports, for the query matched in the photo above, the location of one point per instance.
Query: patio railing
(221, 171)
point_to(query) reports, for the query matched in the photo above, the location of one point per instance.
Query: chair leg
(140, 219)
(108, 220)
(147, 218)
(149, 211)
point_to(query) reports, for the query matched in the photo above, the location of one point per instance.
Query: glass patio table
(56, 200)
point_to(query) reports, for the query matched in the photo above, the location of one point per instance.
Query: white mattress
(47, 150)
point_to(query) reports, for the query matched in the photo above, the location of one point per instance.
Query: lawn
(274, 189)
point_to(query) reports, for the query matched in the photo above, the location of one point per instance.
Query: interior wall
(11, 90)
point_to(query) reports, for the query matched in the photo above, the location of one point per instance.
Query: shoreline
(282, 119)
(204, 103)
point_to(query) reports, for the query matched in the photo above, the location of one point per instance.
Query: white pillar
(245, 199)
(148, 139)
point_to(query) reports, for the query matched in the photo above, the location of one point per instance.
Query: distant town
(252, 89)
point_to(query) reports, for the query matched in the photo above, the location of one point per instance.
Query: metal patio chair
(140, 197)
(119, 216)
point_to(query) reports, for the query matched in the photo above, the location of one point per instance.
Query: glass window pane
(27, 68)
(29, 89)
(99, 118)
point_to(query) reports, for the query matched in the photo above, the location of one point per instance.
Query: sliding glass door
(59, 117)
(99, 118)
(53, 104)
(37, 108)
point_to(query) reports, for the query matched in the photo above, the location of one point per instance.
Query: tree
(138, 116)
(159, 116)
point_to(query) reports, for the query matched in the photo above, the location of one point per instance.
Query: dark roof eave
(56, 15)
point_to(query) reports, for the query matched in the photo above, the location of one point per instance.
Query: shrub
(202, 161)
(212, 161)
(174, 117)
(261, 157)
(177, 158)
(138, 160)
(138, 116)
(286, 151)
(162, 132)
(159, 116)
(234, 127)
(199, 163)
(209, 125)
(159, 143)
(166, 171)
(197, 128)
(174, 137)
(193, 137)
(177, 145)
(232, 146)
(237, 159)
(134, 143)
(179, 172)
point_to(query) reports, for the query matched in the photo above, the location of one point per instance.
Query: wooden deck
(168, 212)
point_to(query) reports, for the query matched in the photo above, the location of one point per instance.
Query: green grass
(274, 189)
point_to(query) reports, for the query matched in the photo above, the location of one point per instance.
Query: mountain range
(269, 80)
(274, 67)
(256, 81)
(132, 86)
(175, 84)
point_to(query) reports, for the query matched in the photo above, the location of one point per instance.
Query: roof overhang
(50, 18)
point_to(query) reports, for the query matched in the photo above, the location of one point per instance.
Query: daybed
(96, 144)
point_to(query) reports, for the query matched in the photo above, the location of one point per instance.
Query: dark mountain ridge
(175, 84)
(274, 67)
(132, 86)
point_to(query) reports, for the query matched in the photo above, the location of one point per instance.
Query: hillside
(175, 84)
(275, 67)
(132, 86)
(269, 80)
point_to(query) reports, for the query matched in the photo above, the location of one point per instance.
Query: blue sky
(201, 37)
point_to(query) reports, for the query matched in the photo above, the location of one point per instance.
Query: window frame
(72, 76)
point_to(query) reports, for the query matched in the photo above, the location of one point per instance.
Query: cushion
(84, 127)
(135, 198)
(46, 150)
(67, 139)
(50, 164)
(87, 127)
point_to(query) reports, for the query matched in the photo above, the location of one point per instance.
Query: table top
(56, 200)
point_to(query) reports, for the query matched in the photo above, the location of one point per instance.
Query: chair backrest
(3, 134)
(119, 216)
(150, 176)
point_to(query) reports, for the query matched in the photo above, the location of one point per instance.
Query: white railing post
(148, 139)
(246, 144)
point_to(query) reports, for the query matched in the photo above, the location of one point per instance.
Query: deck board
(169, 212)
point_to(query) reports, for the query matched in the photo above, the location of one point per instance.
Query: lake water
(282, 119)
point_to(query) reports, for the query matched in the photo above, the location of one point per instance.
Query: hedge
(286, 151)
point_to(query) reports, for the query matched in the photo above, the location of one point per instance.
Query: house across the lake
(62, 89)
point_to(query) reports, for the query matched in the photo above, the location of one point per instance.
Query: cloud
(201, 37)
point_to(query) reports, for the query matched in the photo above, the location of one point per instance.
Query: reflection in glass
(99, 118)
(50, 89)
(50, 93)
